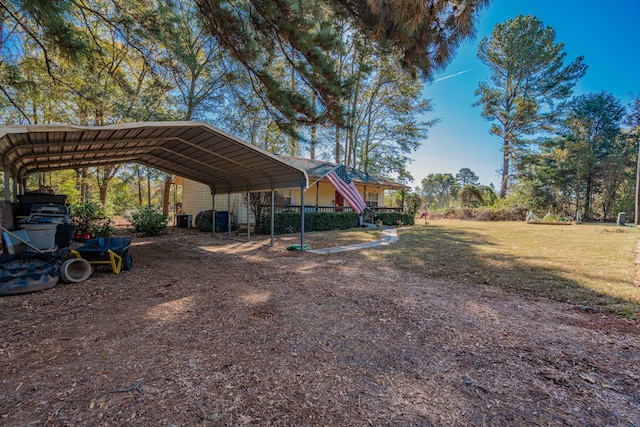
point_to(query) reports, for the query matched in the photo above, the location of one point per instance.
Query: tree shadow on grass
(470, 257)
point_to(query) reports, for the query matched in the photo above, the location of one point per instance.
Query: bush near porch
(392, 218)
(289, 222)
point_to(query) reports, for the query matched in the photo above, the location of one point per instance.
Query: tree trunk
(83, 185)
(337, 143)
(587, 198)
(166, 196)
(505, 169)
(148, 187)
(312, 153)
(103, 194)
(139, 182)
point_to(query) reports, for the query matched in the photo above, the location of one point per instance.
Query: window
(288, 199)
(371, 199)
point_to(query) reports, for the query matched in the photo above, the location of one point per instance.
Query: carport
(194, 150)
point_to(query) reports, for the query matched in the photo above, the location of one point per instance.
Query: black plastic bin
(64, 235)
(27, 200)
(222, 221)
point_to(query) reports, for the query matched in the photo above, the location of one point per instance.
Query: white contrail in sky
(452, 75)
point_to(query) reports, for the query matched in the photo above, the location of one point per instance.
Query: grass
(589, 265)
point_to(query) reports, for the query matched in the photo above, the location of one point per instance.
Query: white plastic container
(42, 236)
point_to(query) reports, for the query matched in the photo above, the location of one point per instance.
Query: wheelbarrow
(113, 251)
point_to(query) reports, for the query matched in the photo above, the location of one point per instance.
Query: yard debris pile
(214, 332)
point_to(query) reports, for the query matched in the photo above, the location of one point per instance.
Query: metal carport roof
(194, 150)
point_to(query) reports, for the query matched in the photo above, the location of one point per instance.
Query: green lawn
(587, 264)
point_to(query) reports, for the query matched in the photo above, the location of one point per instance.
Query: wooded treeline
(562, 153)
(328, 79)
(338, 80)
(587, 165)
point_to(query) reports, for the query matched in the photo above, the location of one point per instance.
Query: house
(320, 196)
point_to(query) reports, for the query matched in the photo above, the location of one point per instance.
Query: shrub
(89, 218)
(289, 222)
(391, 218)
(148, 221)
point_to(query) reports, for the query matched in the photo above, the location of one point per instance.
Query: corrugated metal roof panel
(194, 150)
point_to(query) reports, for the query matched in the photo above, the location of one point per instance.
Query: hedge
(391, 218)
(289, 222)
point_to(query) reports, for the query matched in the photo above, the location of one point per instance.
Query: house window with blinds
(371, 199)
(288, 199)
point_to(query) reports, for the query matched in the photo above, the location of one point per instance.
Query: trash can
(64, 235)
(41, 235)
(184, 221)
(222, 221)
(622, 218)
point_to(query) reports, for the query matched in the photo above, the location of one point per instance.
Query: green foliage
(120, 197)
(527, 79)
(470, 196)
(90, 218)
(289, 222)
(421, 45)
(414, 203)
(474, 196)
(498, 212)
(148, 221)
(205, 224)
(392, 218)
(466, 176)
(439, 189)
(509, 209)
(590, 166)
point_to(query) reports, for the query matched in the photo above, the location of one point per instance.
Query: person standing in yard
(425, 214)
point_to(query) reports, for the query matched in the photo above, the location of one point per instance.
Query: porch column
(364, 196)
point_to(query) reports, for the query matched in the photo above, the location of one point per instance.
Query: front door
(339, 202)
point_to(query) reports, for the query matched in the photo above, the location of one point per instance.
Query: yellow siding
(324, 194)
(196, 197)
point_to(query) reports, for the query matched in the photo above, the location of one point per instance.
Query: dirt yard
(210, 332)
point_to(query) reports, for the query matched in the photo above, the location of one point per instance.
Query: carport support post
(273, 194)
(248, 219)
(302, 216)
(229, 216)
(213, 214)
(7, 194)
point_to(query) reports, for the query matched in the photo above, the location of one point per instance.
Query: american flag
(343, 184)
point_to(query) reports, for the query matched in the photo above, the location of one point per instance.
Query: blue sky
(607, 34)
